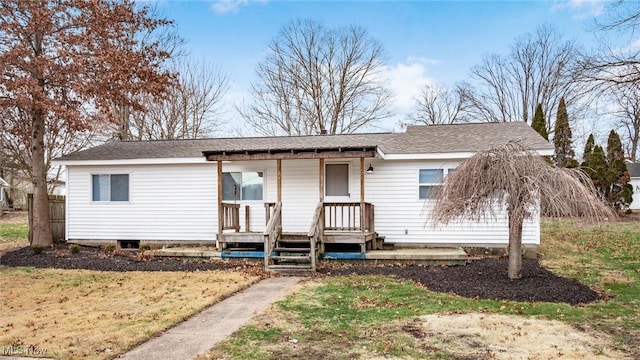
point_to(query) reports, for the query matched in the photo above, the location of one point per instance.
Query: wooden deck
(364, 239)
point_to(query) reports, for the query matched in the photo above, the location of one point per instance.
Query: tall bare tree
(626, 99)
(618, 60)
(61, 62)
(438, 104)
(517, 178)
(190, 110)
(316, 80)
(538, 70)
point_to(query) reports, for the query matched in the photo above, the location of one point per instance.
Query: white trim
(442, 156)
(198, 160)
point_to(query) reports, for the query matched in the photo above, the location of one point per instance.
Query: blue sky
(426, 41)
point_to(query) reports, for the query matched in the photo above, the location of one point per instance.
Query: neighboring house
(337, 191)
(4, 186)
(634, 173)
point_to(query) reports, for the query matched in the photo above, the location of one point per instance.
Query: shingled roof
(460, 138)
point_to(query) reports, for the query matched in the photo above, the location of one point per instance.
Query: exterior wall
(635, 204)
(404, 218)
(166, 202)
(179, 202)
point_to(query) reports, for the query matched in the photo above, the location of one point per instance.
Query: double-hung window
(430, 181)
(110, 187)
(247, 186)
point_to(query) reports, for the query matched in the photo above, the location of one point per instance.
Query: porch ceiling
(292, 153)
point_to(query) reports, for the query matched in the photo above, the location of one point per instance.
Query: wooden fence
(56, 216)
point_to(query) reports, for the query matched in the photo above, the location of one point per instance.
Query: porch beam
(321, 178)
(293, 155)
(220, 214)
(279, 179)
(362, 212)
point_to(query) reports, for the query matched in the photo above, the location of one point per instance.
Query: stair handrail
(272, 232)
(316, 232)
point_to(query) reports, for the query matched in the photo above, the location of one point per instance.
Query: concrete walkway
(201, 332)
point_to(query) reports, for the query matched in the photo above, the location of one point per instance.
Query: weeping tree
(520, 179)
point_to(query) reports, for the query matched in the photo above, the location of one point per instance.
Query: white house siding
(179, 202)
(167, 202)
(635, 204)
(403, 218)
(300, 194)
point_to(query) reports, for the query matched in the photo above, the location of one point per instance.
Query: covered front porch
(289, 235)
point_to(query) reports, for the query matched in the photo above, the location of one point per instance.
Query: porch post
(321, 178)
(362, 214)
(220, 214)
(279, 179)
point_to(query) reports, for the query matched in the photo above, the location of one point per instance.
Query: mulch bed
(481, 279)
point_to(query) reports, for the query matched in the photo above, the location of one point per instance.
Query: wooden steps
(292, 255)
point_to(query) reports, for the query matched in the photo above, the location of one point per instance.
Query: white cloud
(406, 80)
(228, 6)
(581, 9)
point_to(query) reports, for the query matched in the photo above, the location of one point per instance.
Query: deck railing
(273, 232)
(349, 217)
(231, 217)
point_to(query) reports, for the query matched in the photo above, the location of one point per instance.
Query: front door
(337, 182)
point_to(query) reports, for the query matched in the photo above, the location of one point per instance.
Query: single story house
(634, 173)
(323, 192)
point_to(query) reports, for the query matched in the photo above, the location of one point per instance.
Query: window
(110, 187)
(242, 186)
(430, 180)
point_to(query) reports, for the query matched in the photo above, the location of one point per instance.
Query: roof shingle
(416, 140)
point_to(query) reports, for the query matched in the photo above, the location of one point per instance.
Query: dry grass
(14, 231)
(81, 314)
(495, 336)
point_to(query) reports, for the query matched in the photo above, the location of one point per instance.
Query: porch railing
(315, 233)
(273, 232)
(268, 211)
(231, 217)
(349, 217)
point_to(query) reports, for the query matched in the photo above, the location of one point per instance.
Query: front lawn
(82, 314)
(371, 317)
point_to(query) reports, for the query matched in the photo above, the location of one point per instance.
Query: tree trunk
(41, 228)
(515, 247)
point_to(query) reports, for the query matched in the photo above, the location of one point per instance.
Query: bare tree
(618, 60)
(190, 110)
(538, 70)
(517, 178)
(626, 98)
(438, 104)
(316, 80)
